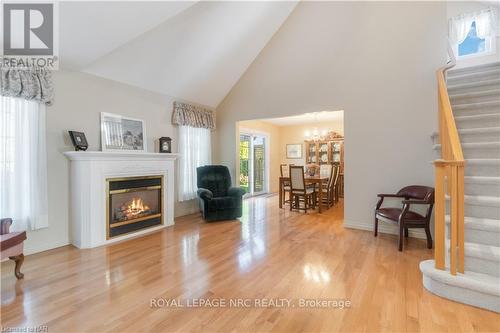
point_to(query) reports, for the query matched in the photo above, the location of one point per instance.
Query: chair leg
(429, 237)
(401, 236)
(19, 259)
(406, 232)
(375, 228)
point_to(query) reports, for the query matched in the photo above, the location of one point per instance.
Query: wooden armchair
(406, 218)
(11, 245)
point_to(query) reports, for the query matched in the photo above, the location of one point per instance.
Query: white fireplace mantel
(89, 171)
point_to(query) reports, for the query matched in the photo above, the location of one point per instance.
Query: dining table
(319, 180)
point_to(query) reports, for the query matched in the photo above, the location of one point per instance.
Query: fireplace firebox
(133, 204)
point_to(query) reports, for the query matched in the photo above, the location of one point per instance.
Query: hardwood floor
(273, 253)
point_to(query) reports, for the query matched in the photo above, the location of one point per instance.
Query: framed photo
(119, 133)
(79, 140)
(294, 150)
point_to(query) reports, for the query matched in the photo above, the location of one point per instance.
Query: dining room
(299, 159)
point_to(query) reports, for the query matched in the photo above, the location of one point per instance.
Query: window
(473, 34)
(473, 44)
(195, 150)
(23, 167)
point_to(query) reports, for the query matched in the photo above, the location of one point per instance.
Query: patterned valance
(194, 116)
(30, 84)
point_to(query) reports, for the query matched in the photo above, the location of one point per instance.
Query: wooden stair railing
(449, 181)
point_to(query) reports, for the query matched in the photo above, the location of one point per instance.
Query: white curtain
(195, 150)
(23, 163)
(486, 25)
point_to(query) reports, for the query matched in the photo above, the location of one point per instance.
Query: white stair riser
(467, 296)
(482, 189)
(485, 136)
(480, 137)
(493, 121)
(481, 152)
(453, 79)
(474, 98)
(491, 170)
(464, 87)
(476, 110)
(489, 212)
(454, 72)
(483, 211)
(477, 265)
(478, 236)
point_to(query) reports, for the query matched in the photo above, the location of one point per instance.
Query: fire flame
(136, 207)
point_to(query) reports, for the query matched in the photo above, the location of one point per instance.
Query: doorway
(253, 163)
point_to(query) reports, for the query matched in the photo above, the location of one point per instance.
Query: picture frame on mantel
(120, 133)
(294, 151)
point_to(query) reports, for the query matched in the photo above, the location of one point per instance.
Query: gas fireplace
(134, 203)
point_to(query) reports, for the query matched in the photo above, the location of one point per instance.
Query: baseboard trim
(37, 249)
(383, 227)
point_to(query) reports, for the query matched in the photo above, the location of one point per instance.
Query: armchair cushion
(394, 213)
(221, 203)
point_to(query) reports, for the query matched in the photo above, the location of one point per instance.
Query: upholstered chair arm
(205, 194)
(415, 202)
(5, 225)
(382, 196)
(235, 191)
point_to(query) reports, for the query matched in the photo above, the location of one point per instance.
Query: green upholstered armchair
(218, 200)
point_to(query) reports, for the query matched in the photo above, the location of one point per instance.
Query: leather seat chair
(404, 216)
(218, 200)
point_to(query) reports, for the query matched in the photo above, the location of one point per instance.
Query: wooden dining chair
(336, 183)
(326, 170)
(285, 172)
(299, 192)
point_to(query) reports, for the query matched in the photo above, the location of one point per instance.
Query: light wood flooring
(272, 253)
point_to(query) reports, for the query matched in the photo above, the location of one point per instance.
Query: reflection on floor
(272, 254)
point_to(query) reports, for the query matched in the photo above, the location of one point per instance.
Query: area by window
(473, 44)
(195, 151)
(474, 34)
(23, 166)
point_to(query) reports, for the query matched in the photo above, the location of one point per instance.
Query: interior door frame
(252, 132)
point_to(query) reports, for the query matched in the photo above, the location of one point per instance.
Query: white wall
(455, 8)
(79, 100)
(376, 61)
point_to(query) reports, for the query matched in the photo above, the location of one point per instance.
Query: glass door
(259, 166)
(253, 164)
(245, 162)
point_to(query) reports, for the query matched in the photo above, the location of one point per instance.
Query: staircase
(474, 94)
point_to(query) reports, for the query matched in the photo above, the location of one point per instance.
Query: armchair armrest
(236, 191)
(415, 202)
(381, 195)
(205, 194)
(5, 225)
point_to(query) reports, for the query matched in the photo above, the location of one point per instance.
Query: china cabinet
(328, 150)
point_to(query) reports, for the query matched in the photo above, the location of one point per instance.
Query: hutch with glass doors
(329, 149)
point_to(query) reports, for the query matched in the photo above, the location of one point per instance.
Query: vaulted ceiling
(195, 51)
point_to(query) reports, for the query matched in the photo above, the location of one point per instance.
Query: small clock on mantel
(165, 144)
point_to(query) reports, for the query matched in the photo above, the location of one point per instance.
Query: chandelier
(315, 135)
